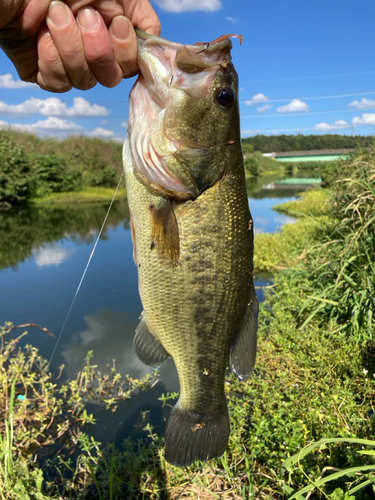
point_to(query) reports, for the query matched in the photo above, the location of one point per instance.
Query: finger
(21, 22)
(124, 42)
(142, 15)
(51, 75)
(99, 52)
(68, 41)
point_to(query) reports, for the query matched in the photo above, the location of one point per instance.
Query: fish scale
(200, 306)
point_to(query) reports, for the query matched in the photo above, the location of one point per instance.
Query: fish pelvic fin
(147, 347)
(243, 350)
(191, 436)
(165, 238)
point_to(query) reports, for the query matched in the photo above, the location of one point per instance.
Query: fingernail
(120, 28)
(59, 14)
(88, 18)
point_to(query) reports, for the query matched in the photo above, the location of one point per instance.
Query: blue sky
(305, 66)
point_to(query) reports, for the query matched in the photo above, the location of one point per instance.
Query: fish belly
(195, 307)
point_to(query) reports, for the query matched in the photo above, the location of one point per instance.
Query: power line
(306, 113)
(308, 77)
(260, 131)
(280, 99)
(332, 96)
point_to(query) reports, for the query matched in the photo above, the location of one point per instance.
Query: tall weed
(338, 274)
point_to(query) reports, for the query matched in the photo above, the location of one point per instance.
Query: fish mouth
(222, 42)
(166, 69)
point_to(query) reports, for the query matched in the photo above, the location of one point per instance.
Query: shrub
(53, 176)
(256, 163)
(15, 173)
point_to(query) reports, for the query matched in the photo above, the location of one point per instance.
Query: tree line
(279, 143)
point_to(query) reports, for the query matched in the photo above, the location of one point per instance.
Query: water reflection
(51, 255)
(266, 220)
(109, 334)
(23, 230)
(44, 251)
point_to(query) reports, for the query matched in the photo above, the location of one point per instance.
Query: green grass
(311, 203)
(306, 386)
(283, 249)
(313, 383)
(87, 195)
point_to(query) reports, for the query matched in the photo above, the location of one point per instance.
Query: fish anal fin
(244, 348)
(147, 347)
(165, 239)
(191, 436)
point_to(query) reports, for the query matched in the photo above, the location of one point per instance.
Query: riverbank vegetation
(78, 169)
(34, 168)
(314, 380)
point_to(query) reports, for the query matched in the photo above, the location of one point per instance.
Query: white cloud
(362, 104)
(256, 98)
(335, 125)
(51, 126)
(103, 133)
(263, 109)
(294, 105)
(124, 124)
(57, 127)
(53, 106)
(233, 20)
(7, 82)
(51, 256)
(365, 119)
(192, 5)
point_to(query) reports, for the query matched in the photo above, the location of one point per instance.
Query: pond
(44, 251)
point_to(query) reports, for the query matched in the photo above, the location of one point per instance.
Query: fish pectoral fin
(165, 239)
(243, 350)
(147, 347)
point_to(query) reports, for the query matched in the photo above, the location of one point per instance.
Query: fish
(192, 234)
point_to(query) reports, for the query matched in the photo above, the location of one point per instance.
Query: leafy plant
(15, 173)
(53, 176)
(358, 478)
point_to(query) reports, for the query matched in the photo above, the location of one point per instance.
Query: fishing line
(84, 272)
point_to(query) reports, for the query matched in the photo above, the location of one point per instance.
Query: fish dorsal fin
(244, 348)
(164, 232)
(147, 347)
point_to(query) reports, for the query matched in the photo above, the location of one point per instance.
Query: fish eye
(225, 96)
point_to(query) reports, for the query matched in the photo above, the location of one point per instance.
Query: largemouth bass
(192, 233)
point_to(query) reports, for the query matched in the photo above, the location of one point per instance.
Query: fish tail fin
(193, 436)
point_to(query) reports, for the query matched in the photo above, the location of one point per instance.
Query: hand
(75, 43)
